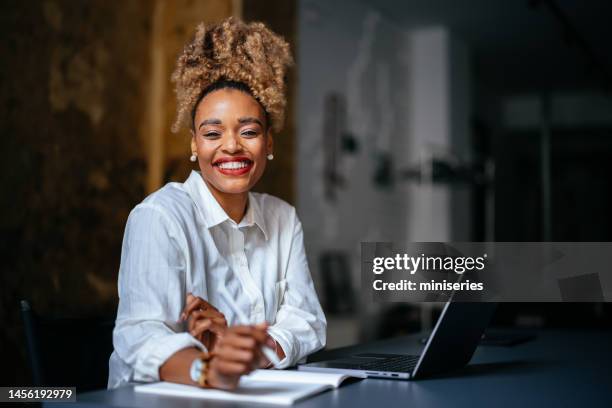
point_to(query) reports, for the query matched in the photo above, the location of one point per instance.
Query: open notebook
(263, 386)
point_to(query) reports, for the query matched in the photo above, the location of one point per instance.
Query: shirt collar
(212, 212)
(254, 215)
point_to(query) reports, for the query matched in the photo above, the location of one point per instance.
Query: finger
(219, 321)
(211, 326)
(231, 368)
(262, 326)
(220, 324)
(251, 331)
(250, 357)
(210, 306)
(204, 326)
(240, 355)
(200, 327)
(239, 341)
(188, 300)
(261, 335)
(204, 305)
(217, 329)
(195, 317)
(213, 340)
(196, 304)
(258, 335)
(269, 341)
(200, 305)
(190, 303)
(207, 313)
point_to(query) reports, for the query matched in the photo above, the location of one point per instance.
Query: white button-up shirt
(180, 240)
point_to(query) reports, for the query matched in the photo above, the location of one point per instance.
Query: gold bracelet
(203, 379)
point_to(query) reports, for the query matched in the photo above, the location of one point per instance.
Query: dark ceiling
(520, 45)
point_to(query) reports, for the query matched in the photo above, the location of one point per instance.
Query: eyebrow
(212, 121)
(243, 120)
(250, 119)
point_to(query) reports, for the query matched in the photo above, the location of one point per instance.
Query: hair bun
(234, 51)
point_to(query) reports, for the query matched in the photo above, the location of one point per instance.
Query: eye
(211, 134)
(249, 133)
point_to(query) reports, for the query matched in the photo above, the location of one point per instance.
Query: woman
(187, 240)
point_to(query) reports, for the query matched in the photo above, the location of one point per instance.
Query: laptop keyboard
(400, 364)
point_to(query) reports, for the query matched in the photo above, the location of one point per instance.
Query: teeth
(233, 165)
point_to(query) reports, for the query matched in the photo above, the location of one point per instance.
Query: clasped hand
(236, 349)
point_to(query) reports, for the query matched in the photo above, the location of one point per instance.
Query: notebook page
(302, 377)
(248, 391)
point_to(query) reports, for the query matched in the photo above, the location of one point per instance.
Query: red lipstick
(233, 165)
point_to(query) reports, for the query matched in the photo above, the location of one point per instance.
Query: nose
(231, 143)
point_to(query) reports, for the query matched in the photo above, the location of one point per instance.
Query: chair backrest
(68, 351)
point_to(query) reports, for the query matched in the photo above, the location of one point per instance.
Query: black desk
(558, 368)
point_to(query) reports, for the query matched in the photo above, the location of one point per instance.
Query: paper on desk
(283, 387)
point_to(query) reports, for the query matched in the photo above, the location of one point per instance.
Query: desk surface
(558, 368)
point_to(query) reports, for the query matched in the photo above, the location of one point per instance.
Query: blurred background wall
(74, 91)
(438, 121)
(422, 120)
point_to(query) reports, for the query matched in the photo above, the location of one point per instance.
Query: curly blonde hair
(233, 51)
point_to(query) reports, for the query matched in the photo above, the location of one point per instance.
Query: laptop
(450, 345)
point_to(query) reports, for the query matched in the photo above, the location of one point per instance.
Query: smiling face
(231, 141)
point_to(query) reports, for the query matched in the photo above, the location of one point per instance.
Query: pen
(242, 319)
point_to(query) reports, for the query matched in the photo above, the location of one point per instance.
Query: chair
(70, 352)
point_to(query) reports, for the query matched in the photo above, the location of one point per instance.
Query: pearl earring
(270, 156)
(193, 158)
